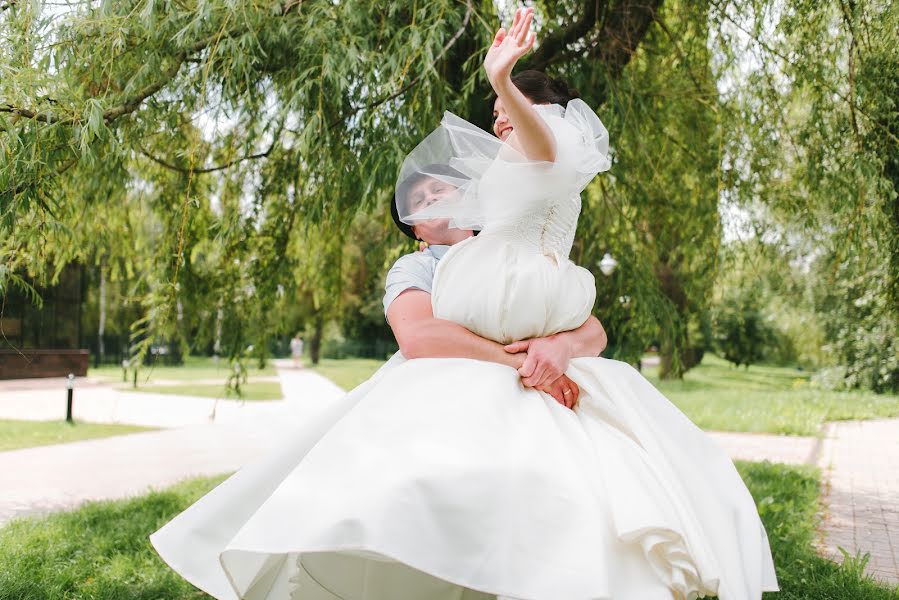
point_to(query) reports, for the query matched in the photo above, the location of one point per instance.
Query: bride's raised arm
(533, 137)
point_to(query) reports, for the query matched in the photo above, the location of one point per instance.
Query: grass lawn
(716, 395)
(253, 390)
(27, 434)
(194, 367)
(101, 551)
(347, 372)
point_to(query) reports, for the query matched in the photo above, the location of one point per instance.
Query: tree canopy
(229, 165)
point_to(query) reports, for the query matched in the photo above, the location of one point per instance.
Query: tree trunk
(668, 367)
(219, 317)
(315, 345)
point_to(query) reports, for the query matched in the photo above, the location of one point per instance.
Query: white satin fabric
(497, 284)
(445, 479)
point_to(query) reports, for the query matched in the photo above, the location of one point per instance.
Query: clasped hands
(545, 362)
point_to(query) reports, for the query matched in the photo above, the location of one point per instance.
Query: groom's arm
(407, 306)
(421, 335)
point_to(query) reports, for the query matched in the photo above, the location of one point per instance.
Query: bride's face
(502, 126)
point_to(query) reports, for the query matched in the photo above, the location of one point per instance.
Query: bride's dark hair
(540, 88)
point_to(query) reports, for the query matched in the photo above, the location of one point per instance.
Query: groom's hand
(547, 359)
(564, 390)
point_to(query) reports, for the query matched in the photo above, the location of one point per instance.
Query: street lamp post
(70, 389)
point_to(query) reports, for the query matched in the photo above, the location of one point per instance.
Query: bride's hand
(564, 390)
(546, 361)
(507, 48)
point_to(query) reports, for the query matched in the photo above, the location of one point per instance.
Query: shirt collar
(437, 250)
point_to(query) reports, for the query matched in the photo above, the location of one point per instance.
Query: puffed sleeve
(582, 146)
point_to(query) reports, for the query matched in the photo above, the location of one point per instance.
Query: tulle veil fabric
(493, 183)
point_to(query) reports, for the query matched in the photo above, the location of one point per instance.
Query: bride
(446, 478)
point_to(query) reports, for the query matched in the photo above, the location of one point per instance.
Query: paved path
(48, 478)
(860, 464)
(789, 449)
(97, 402)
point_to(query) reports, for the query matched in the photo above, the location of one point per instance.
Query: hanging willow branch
(452, 41)
(767, 48)
(221, 167)
(132, 103)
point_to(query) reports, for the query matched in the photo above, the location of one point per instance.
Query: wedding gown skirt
(443, 479)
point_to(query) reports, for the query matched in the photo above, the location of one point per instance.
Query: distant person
(296, 351)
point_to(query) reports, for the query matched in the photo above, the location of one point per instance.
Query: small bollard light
(125, 370)
(70, 388)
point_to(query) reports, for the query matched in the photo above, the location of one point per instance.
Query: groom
(541, 362)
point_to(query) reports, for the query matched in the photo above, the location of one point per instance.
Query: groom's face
(422, 194)
(427, 191)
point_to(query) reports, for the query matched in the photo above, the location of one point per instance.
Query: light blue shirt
(413, 271)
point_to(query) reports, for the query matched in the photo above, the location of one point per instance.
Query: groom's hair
(406, 185)
(404, 227)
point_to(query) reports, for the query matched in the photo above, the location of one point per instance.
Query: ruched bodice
(550, 226)
(549, 229)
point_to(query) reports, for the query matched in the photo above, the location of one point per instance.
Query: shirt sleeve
(412, 271)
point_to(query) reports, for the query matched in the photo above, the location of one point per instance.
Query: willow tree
(657, 210)
(245, 127)
(814, 152)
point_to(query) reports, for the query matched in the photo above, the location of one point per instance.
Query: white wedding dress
(446, 479)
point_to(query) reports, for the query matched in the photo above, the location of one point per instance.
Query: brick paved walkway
(860, 465)
(859, 462)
